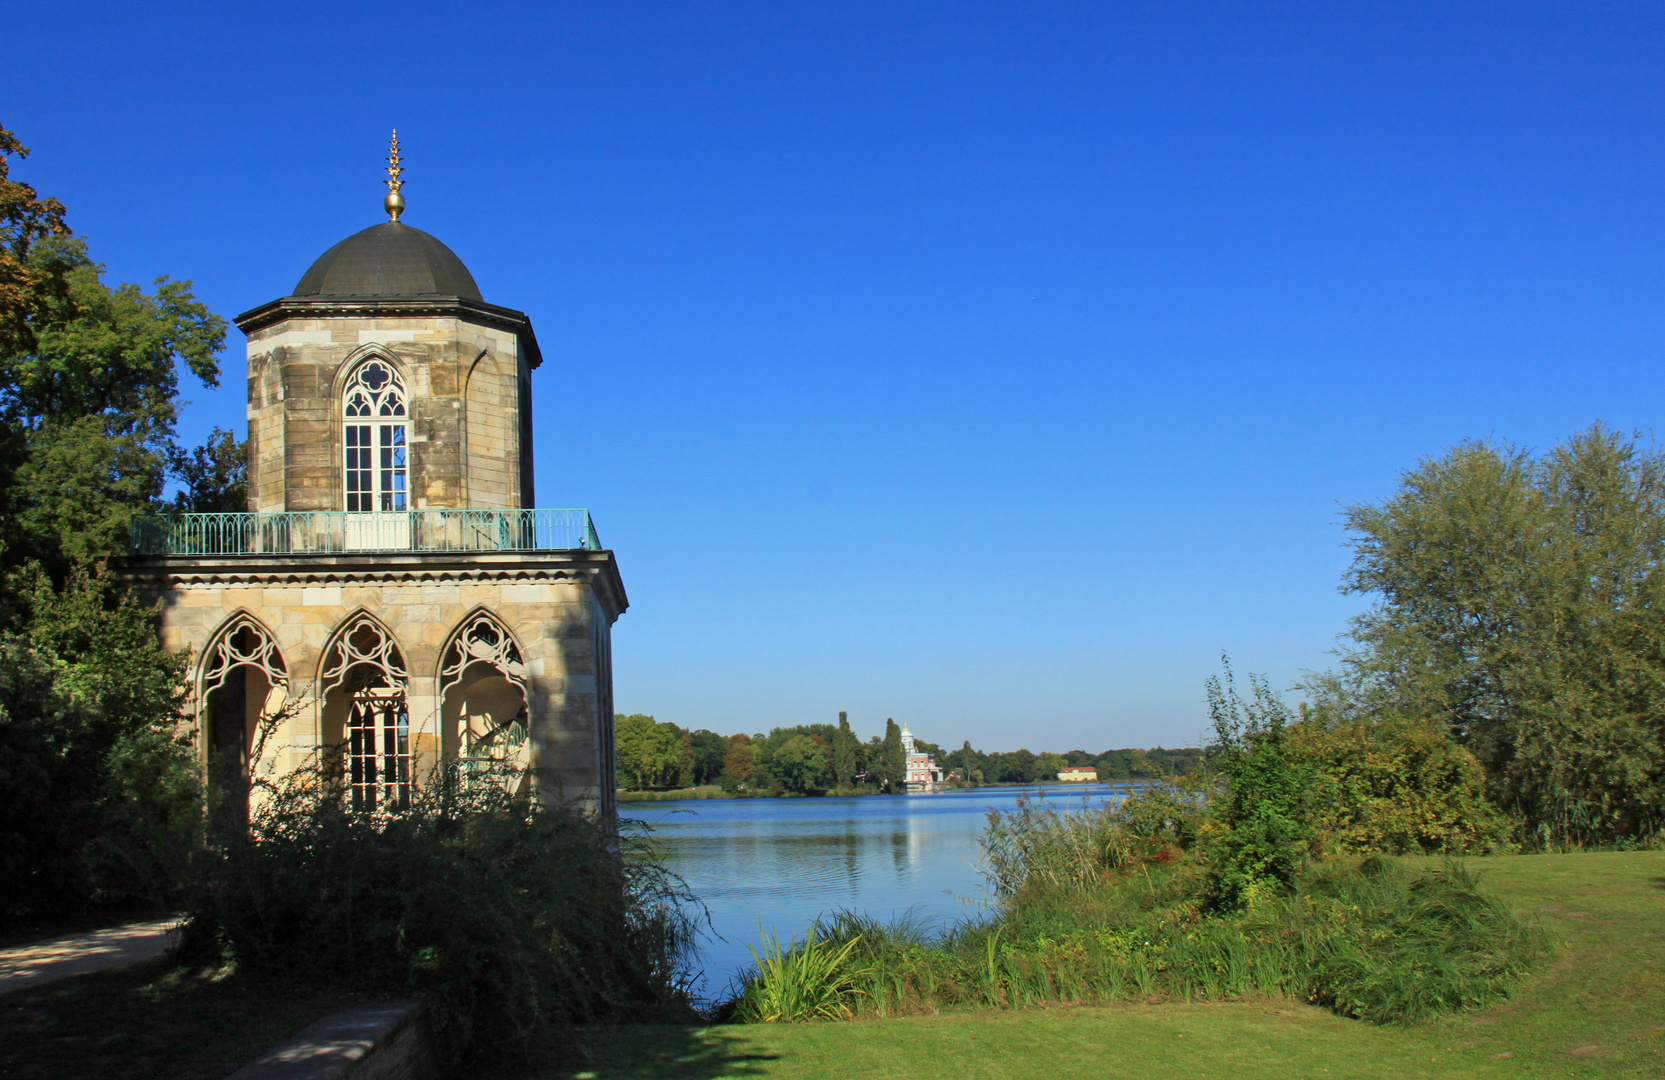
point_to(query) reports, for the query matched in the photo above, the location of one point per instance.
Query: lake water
(772, 866)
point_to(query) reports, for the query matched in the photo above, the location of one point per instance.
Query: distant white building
(921, 772)
(1078, 774)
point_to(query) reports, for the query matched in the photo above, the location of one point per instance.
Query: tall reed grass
(511, 919)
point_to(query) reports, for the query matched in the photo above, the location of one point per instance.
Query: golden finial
(395, 202)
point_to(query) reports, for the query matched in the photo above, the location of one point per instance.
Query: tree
(88, 396)
(649, 753)
(31, 291)
(892, 764)
(685, 760)
(1047, 766)
(709, 750)
(215, 475)
(844, 749)
(87, 407)
(802, 764)
(101, 798)
(1521, 604)
(740, 760)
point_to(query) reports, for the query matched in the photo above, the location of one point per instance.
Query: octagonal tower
(392, 601)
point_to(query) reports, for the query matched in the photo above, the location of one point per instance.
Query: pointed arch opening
(364, 687)
(483, 704)
(242, 682)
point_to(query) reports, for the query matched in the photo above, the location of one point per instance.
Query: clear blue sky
(992, 367)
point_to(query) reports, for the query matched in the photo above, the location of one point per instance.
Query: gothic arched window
(364, 683)
(373, 432)
(483, 701)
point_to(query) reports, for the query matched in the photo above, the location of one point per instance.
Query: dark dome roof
(390, 259)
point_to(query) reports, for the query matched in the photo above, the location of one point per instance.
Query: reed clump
(1109, 904)
(512, 920)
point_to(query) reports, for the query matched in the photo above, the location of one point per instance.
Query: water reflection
(772, 866)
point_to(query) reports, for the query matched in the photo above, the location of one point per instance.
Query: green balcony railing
(320, 532)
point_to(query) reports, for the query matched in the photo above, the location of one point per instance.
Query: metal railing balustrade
(326, 532)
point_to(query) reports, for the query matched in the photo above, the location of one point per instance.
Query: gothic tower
(393, 593)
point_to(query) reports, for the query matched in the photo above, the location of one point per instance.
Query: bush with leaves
(1265, 810)
(1396, 785)
(511, 919)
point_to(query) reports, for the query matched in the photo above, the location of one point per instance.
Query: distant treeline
(825, 757)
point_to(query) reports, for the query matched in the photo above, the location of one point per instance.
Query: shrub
(1397, 785)
(511, 919)
(1266, 827)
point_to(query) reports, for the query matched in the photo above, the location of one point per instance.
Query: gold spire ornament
(394, 204)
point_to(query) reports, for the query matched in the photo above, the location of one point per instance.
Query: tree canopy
(1519, 604)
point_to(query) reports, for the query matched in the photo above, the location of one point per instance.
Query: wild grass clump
(1121, 904)
(512, 920)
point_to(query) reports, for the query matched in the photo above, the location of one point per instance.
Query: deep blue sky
(992, 367)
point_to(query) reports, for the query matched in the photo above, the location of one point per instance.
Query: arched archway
(363, 686)
(483, 703)
(242, 681)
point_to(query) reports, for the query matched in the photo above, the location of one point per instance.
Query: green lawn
(1596, 1009)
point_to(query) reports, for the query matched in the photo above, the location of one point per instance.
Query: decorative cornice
(393, 307)
(596, 568)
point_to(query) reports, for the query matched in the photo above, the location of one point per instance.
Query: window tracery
(366, 665)
(495, 736)
(374, 438)
(243, 642)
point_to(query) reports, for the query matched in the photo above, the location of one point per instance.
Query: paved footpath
(97, 950)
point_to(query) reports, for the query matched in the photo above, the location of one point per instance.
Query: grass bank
(1595, 1009)
(703, 791)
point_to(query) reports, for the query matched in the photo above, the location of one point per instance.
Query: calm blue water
(774, 865)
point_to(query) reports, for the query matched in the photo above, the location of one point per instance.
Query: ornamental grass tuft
(512, 920)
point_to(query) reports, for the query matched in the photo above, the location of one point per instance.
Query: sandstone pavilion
(392, 603)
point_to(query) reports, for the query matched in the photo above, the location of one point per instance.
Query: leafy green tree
(685, 760)
(844, 752)
(802, 764)
(649, 753)
(1047, 766)
(214, 477)
(1521, 604)
(709, 750)
(892, 764)
(87, 408)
